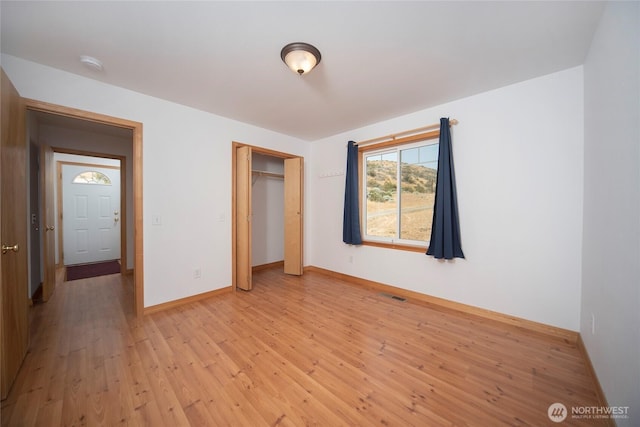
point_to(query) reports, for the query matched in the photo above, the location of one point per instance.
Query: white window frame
(394, 242)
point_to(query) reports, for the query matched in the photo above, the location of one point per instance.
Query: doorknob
(50, 228)
(6, 248)
(116, 219)
(115, 212)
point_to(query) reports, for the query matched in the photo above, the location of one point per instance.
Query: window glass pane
(429, 156)
(399, 192)
(92, 177)
(381, 191)
(418, 176)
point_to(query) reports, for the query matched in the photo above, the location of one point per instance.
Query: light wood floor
(292, 352)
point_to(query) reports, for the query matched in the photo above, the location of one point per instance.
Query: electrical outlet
(197, 273)
(156, 219)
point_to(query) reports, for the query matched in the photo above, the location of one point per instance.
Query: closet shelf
(269, 174)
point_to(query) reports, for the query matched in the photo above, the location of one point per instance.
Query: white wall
(611, 249)
(267, 203)
(186, 174)
(518, 158)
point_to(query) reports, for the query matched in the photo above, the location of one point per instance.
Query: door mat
(75, 272)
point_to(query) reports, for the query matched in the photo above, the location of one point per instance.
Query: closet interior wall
(267, 192)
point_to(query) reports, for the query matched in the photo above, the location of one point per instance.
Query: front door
(90, 213)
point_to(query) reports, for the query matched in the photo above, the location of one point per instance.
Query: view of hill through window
(406, 212)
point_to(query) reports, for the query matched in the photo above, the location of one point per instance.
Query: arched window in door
(91, 177)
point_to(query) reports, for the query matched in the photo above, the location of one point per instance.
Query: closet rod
(265, 173)
(407, 132)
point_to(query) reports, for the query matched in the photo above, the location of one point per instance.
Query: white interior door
(90, 213)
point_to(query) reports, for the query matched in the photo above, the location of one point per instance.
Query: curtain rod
(407, 132)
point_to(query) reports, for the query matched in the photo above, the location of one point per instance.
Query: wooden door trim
(47, 213)
(60, 230)
(269, 152)
(234, 231)
(136, 128)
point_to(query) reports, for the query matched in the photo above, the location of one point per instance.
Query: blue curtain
(351, 219)
(445, 229)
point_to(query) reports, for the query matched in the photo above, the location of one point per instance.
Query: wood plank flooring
(295, 351)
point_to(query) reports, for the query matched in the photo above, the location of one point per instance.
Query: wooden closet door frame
(234, 196)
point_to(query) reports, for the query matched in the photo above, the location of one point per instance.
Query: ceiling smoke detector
(91, 63)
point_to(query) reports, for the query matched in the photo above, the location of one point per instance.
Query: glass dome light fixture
(300, 57)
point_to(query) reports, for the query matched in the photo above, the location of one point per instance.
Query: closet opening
(267, 213)
(267, 196)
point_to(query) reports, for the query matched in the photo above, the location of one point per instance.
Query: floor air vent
(395, 297)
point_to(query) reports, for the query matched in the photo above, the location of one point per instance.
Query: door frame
(123, 197)
(136, 128)
(46, 170)
(234, 195)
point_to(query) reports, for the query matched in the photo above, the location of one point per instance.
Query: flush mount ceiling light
(300, 57)
(91, 63)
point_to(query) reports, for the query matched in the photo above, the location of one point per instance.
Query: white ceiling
(379, 59)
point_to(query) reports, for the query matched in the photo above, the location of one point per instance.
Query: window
(399, 183)
(92, 177)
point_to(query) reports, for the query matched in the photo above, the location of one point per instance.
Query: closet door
(293, 215)
(243, 218)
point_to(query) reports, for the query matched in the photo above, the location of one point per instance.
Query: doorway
(289, 169)
(86, 120)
